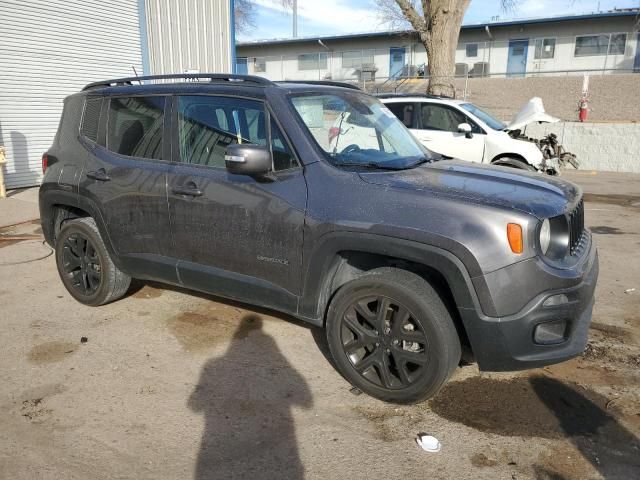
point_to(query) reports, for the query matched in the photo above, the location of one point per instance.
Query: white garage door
(48, 50)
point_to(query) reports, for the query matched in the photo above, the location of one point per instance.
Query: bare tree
(245, 13)
(437, 23)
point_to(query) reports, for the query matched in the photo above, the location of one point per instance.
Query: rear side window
(404, 111)
(207, 125)
(135, 126)
(91, 118)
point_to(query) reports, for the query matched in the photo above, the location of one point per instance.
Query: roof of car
(415, 97)
(190, 81)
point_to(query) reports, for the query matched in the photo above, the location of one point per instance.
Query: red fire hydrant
(583, 108)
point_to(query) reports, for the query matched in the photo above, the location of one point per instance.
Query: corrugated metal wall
(48, 50)
(189, 35)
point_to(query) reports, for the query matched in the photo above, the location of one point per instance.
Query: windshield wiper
(369, 165)
(425, 159)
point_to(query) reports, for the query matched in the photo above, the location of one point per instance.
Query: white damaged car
(459, 129)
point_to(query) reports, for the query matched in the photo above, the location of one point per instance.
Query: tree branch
(411, 14)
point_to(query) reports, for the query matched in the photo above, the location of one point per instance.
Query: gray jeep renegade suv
(242, 187)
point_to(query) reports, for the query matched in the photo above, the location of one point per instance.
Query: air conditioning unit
(462, 69)
(480, 69)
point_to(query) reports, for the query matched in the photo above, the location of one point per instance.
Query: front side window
(439, 117)
(472, 50)
(91, 118)
(588, 45)
(207, 125)
(486, 117)
(135, 126)
(356, 129)
(312, 61)
(545, 48)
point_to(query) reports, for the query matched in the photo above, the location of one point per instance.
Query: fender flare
(50, 198)
(325, 260)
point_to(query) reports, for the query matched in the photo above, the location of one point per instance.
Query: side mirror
(466, 129)
(248, 159)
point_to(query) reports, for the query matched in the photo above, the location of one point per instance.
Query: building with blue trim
(604, 42)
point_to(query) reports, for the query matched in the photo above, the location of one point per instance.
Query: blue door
(396, 61)
(636, 63)
(517, 63)
(241, 66)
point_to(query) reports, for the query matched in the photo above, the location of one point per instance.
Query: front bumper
(507, 343)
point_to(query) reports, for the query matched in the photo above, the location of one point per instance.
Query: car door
(125, 180)
(235, 235)
(437, 128)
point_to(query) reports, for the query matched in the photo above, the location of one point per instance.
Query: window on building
(617, 43)
(352, 59)
(207, 125)
(312, 61)
(588, 45)
(91, 119)
(135, 126)
(472, 49)
(259, 64)
(545, 48)
(357, 58)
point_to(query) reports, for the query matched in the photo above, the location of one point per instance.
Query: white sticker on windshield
(387, 112)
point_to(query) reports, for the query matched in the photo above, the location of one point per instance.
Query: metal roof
(393, 33)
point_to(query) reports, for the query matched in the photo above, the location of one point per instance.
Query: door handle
(100, 175)
(189, 191)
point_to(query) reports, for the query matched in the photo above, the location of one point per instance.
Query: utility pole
(295, 18)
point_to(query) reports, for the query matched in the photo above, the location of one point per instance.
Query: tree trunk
(438, 28)
(443, 23)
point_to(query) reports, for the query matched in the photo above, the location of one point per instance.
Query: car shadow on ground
(611, 449)
(247, 397)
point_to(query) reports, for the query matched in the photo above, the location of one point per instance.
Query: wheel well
(62, 213)
(515, 156)
(350, 265)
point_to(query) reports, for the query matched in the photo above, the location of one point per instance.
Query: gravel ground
(170, 384)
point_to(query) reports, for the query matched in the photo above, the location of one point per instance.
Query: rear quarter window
(91, 118)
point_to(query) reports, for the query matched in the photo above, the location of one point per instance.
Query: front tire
(85, 266)
(391, 336)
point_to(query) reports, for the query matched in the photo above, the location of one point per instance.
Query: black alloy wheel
(383, 342)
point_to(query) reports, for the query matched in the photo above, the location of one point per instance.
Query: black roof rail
(212, 77)
(329, 83)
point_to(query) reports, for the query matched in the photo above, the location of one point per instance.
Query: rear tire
(85, 266)
(391, 336)
(512, 162)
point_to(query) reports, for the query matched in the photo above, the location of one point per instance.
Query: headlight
(545, 235)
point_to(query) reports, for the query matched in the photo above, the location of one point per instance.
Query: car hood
(531, 193)
(532, 111)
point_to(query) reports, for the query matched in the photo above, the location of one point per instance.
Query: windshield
(353, 128)
(487, 118)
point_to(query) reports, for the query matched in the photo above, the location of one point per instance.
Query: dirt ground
(170, 384)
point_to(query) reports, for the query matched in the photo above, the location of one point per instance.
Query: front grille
(576, 228)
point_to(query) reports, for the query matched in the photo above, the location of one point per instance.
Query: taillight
(45, 162)
(333, 133)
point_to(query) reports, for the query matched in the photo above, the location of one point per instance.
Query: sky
(335, 17)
